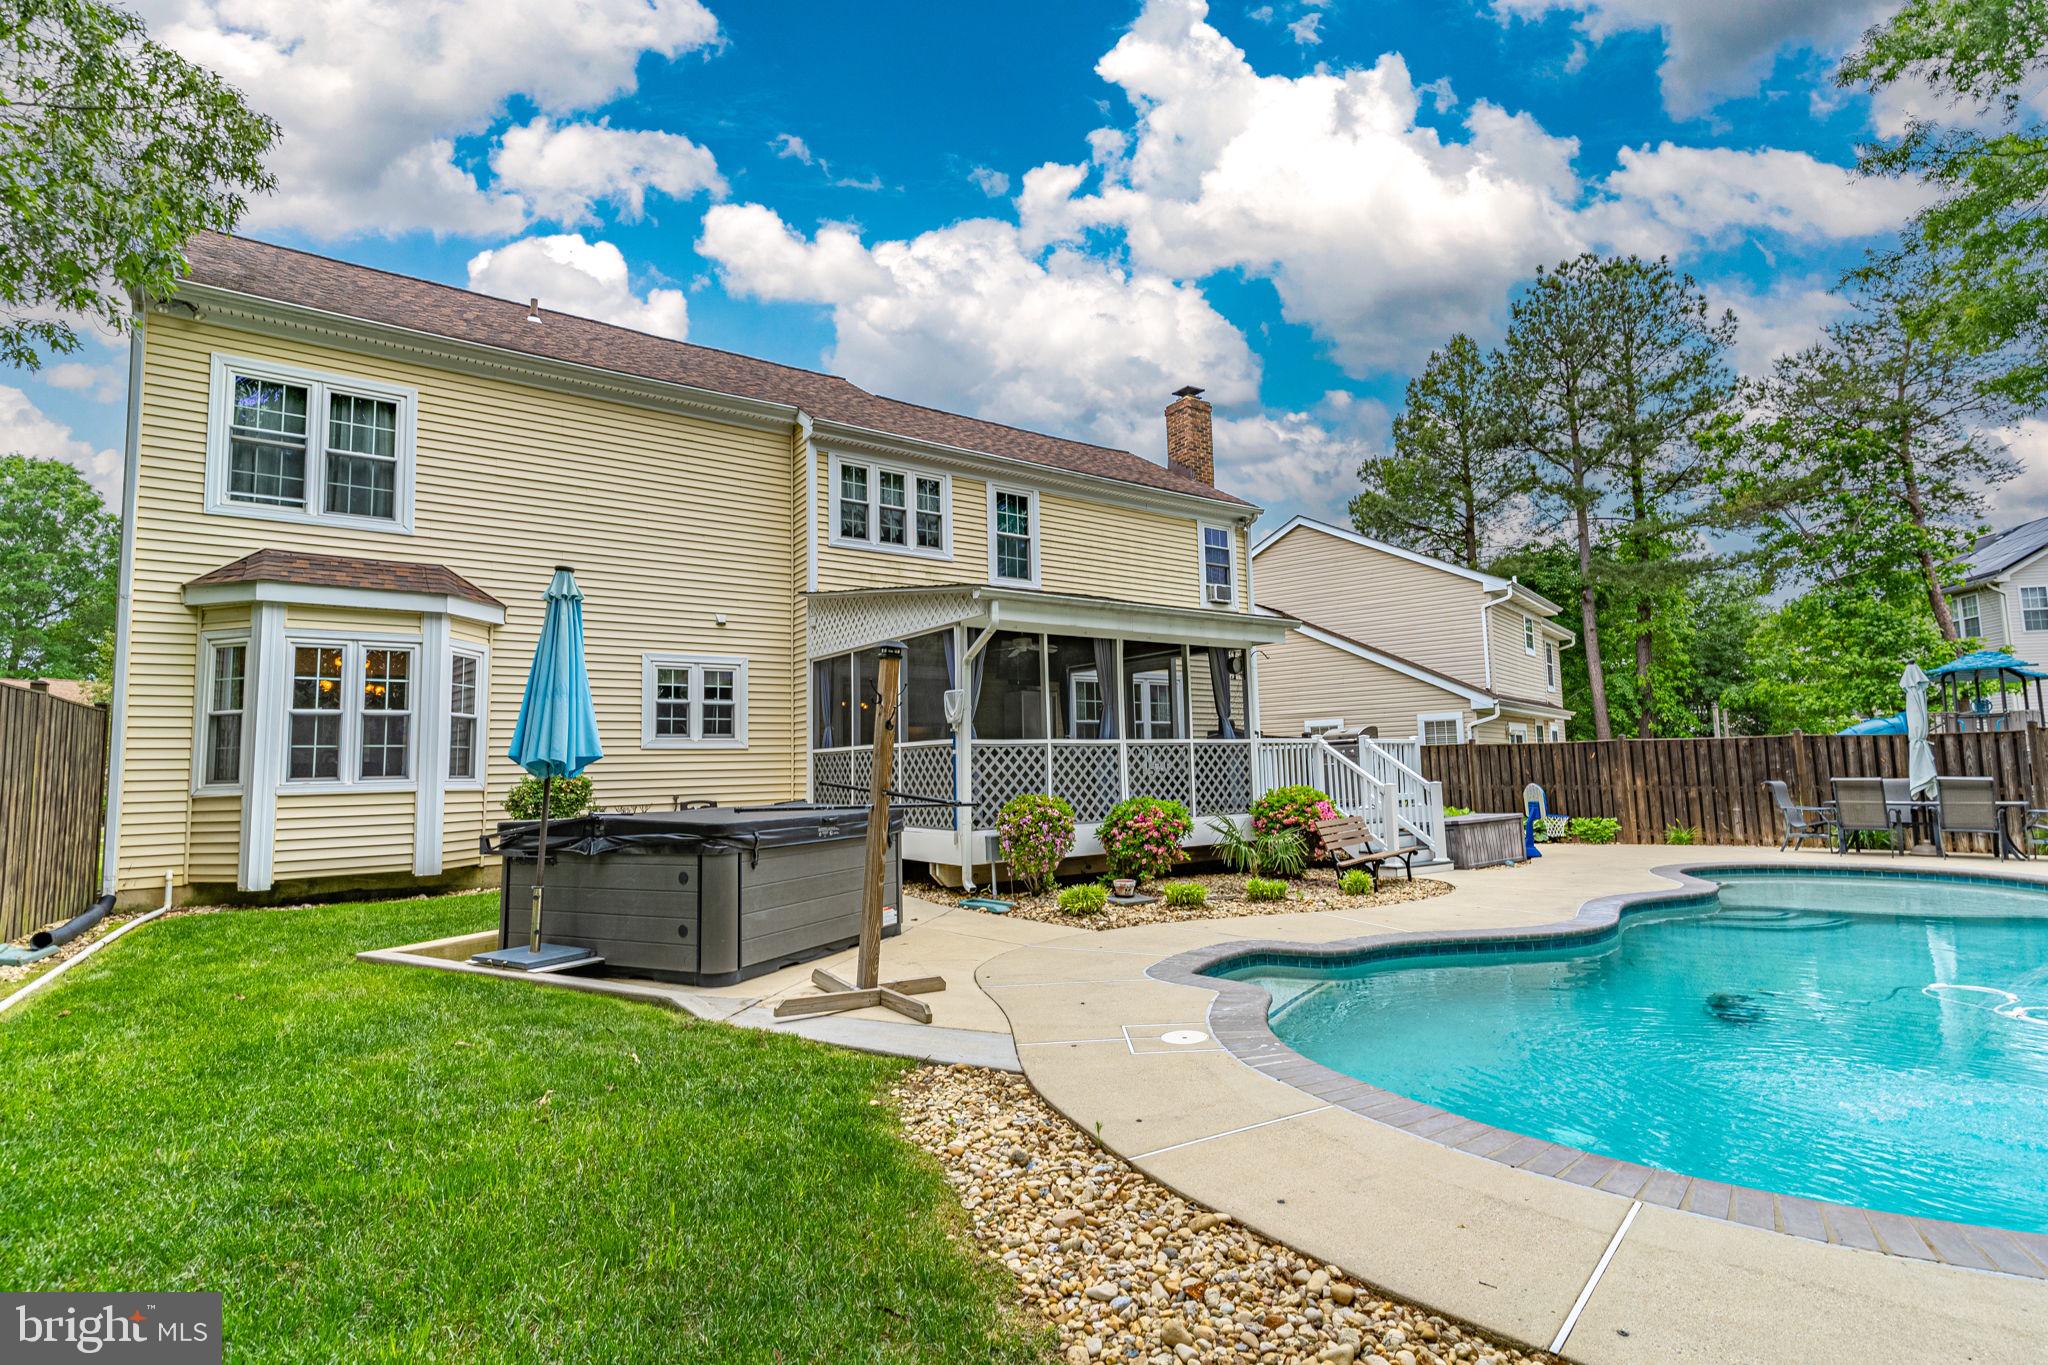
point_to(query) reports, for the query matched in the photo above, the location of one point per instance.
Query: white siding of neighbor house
(1515, 671)
(2031, 645)
(1319, 681)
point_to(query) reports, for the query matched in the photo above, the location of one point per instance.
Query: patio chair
(1801, 822)
(1351, 843)
(1967, 805)
(1860, 809)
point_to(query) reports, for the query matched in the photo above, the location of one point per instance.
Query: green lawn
(380, 1162)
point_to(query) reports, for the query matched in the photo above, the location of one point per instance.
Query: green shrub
(1449, 811)
(1036, 832)
(1596, 829)
(1141, 837)
(1086, 899)
(1681, 834)
(1279, 852)
(1296, 810)
(1264, 889)
(1185, 894)
(1356, 882)
(568, 796)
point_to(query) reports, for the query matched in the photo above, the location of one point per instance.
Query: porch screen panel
(924, 685)
(1154, 692)
(832, 702)
(1076, 699)
(1012, 701)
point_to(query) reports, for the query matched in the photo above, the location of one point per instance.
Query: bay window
(465, 708)
(223, 687)
(349, 709)
(318, 707)
(387, 714)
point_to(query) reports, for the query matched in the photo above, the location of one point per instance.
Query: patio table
(1918, 815)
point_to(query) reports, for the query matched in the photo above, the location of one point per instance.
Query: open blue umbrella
(556, 737)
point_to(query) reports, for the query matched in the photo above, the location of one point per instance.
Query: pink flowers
(1141, 837)
(1035, 832)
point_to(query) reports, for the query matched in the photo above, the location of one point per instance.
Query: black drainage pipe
(73, 927)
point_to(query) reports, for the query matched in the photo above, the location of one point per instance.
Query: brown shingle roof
(298, 277)
(341, 571)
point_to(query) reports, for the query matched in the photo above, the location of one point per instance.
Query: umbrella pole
(540, 869)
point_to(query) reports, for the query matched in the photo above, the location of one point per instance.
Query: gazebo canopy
(1986, 664)
(1877, 725)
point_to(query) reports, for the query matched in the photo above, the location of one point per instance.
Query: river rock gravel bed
(1126, 1270)
(1314, 890)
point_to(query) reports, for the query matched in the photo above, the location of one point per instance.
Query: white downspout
(1251, 672)
(963, 771)
(117, 714)
(1486, 630)
(802, 647)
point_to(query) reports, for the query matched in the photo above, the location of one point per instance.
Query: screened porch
(1087, 699)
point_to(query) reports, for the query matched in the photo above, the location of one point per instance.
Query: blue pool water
(1875, 1042)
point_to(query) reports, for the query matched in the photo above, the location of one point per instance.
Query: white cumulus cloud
(26, 429)
(993, 183)
(563, 170)
(1714, 49)
(571, 275)
(966, 317)
(373, 95)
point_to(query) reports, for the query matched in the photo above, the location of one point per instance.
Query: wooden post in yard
(888, 683)
(867, 988)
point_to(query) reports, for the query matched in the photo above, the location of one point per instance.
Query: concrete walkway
(1134, 1059)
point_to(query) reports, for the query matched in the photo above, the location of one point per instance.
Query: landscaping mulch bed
(1126, 1270)
(1313, 890)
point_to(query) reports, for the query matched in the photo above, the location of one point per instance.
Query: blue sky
(1054, 213)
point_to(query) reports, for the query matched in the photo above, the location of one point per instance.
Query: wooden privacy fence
(53, 785)
(1716, 785)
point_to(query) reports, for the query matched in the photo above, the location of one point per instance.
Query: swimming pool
(1878, 1041)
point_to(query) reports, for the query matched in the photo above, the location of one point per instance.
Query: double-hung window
(1549, 666)
(692, 701)
(2034, 608)
(1013, 536)
(882, 507)
(1528, 635)
(349, 710)
(223, 690)
(1219, 567)
(298, 445)
(465, 711)
(1968, 622)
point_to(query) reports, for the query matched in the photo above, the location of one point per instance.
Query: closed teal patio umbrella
(556, 736)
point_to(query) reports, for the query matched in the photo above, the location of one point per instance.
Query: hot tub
(703, 897)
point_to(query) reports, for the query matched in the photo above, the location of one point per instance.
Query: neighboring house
(1398, 645)
(2004, 597)
(346, 490)
(68, 689)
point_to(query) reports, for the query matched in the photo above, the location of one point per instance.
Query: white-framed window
(1012, 535)
(1550, 665)
(1219, 566)
(349, 708)
(1151, 705)
(891, 507)
(1528, 634)
(1557, 734)
(1518, 734)
(1084, 704)
(293, 444)
(1967, 621)
(1322, 725)
(1441, 727)
(467, 690)
(2034, 608)
(693, 701)
(223, 696)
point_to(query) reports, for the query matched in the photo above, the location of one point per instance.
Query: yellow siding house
(346, 490)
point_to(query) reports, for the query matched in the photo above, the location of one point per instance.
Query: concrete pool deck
(1514, 1251)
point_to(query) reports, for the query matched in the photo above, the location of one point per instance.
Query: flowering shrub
(1356, 882)
(1265, 889)
(1185, 893)
(569, 796)
(1036, 832)
(1086, 899)
(1141, 837)
(1294, 810)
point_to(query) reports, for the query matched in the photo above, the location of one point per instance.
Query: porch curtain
(1109, 684)
(821, 684)
(953, 731)
(1219, 687)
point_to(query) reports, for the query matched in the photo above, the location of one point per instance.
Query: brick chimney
(1190, 446)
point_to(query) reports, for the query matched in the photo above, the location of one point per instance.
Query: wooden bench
(1351, 843)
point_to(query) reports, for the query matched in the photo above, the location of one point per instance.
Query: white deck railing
(1379, 786)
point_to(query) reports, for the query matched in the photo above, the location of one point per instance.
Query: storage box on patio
(1484, 840)
(704, 897)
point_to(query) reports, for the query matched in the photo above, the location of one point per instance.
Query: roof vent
(533, 310)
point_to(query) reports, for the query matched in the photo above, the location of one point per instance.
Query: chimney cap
(1187, 391)
(533, 310)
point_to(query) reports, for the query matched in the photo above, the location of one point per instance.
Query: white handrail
(1390, 794)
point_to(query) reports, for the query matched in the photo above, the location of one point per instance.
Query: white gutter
(1486, 633)
(117, 714)
(68, 963)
